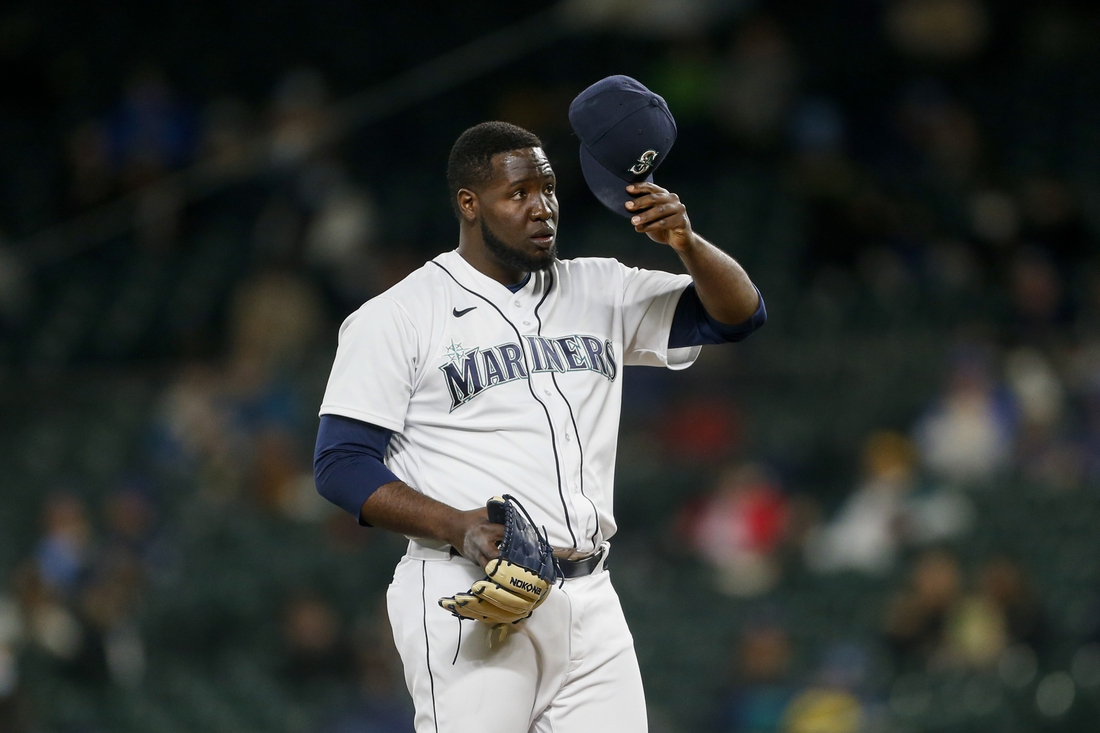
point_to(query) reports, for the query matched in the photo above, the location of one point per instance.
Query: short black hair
(471, 161)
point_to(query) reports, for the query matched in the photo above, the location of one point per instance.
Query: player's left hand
(660, 214)
(518, 579)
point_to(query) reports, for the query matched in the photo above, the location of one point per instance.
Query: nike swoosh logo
(459, 313)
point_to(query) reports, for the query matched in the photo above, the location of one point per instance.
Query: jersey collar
(531, 286)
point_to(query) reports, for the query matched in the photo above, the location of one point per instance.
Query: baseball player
(496, 368)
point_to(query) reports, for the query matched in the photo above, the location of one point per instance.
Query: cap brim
(606, 186)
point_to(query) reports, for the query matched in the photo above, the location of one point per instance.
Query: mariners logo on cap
(616, 119)
(645, 162)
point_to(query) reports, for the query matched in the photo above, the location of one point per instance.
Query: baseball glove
(518, 580)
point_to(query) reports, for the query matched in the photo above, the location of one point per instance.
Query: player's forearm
(398, 507)
(723, 286)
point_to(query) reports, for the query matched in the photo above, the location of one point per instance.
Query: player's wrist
(457, 526)
(688, 244)
(453, 528)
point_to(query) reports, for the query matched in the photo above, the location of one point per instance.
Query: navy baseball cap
(626, 131)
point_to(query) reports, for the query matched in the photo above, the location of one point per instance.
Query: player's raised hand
(660, 214)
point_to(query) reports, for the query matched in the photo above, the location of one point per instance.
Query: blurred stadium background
(878, 514)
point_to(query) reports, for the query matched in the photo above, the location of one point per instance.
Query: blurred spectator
(80, 598)
(195, 436)
(108, 609)
(299, 116)
(1039, 305)
(762, 687)
(937, 30)
(135, 537)
(383, 705)
(738, 529)
(50, 625)
(945, 132)
(832, 702)
(818, 139)
(281, 481)
(341, 237)
(868, 529)
(975, 633)
(886, 513)
(1004, 583)
(63, 554)
(152, 131)
(1044, 450)
(226, 131)
(966, 435)
(700, 430)
(132, 554)
(131, 522)
(275, 317)
(314, 649)
(237, 422)
(917, 616)
(998, 612)
(756, 84)
(344, 228)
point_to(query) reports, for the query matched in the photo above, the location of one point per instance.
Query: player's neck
(481, 260)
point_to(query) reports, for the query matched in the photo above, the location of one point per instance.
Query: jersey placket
(566, 445)
(570, 451)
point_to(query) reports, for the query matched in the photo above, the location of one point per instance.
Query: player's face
(519, 211)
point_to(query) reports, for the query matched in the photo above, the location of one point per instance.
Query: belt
(584, 566)
(594, 563)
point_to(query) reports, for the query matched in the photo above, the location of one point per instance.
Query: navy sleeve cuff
(347, 462)
(693, 326)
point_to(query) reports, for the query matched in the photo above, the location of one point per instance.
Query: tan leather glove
(518, 580)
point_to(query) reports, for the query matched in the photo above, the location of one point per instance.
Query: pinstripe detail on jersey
(572, 419)
(531, 389)
(427, 648)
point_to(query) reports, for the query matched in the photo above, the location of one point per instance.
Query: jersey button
(526, 323)
(547, 392)
(518, 304)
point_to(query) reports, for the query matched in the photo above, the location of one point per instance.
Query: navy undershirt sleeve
(347, 462)
(693, 326)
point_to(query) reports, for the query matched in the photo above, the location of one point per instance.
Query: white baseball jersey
(491, 392)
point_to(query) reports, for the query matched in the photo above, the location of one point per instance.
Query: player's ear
(467, 204)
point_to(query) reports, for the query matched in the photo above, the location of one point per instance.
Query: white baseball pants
(569, 668)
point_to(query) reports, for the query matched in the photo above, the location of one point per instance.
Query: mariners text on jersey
(469, 372)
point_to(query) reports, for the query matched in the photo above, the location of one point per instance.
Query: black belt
(569, 568)
(580, 568)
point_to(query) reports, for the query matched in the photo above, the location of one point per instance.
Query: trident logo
(644, 163)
